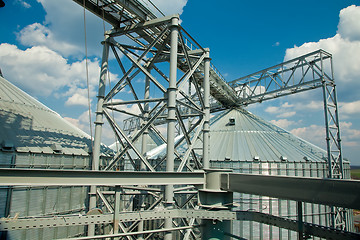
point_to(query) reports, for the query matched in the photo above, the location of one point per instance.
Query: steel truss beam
(313, 70)
(59, 221)
(297, 75)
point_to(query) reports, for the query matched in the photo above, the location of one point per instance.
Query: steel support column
(98, 127)
(213, 198)
(171, 119)
(99, 109)
(333, 139)
(206, 128)
(300, 220)
(144, 142)
(117, 210)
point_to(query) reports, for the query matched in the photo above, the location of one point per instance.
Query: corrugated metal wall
(313, 213)
(43, 201)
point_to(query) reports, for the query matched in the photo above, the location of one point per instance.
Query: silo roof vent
(231, 121)
(283, 158)
(7, 146)
(56, 147)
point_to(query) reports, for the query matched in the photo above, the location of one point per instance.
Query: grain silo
(246, 143)
(33, 136)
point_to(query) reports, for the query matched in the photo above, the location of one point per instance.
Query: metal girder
(297, 75)
(333, 192)
(42, 177)
(8, 224)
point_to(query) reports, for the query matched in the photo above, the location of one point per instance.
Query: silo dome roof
(239, 135)
(25, 122)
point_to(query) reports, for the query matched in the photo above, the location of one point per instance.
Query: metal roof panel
(33, 127)
(251, 137)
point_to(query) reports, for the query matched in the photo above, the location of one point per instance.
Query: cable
(87, 79)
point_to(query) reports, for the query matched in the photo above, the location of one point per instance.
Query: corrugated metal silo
(246, 143)
(33, 136)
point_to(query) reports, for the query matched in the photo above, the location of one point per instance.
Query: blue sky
(42, 51)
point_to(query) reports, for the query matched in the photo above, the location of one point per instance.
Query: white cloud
(63, 30)
(350, 136)
(313, 133)
(287, 105)
(316, 134)
(349, 24)
(286, 114)
(167, 7)
(350, 107)
(276, 44)
(282, 111)
(345, 48)
(311, 105)
(77, 99)
(76, 123)
(24, 3)
(37, 34)
(283, 123)
(70, 41)
(250, 90)
(272, 109)
(43, 72)
(344, 54)
(37, 70)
